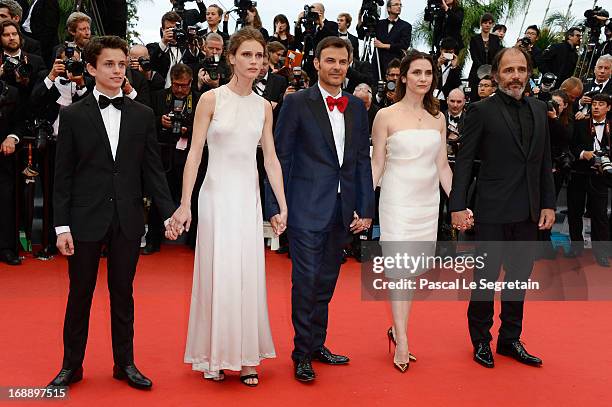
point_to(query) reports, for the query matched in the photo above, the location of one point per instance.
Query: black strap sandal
(244, 379)
(219, 378)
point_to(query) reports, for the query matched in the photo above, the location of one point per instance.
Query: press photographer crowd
(41, 74)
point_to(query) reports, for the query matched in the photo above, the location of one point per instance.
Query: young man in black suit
(393, 37)
(515, 197)
(107, 154)
(344, 22)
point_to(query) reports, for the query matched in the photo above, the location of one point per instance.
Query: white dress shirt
(585, 108)
(26, 24)
(599, 133)
(111, 116)
(336, 119)
(175, 57)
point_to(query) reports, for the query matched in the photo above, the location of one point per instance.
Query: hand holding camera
(58, 69)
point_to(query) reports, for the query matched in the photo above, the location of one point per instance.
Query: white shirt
(175, 57)
(260, 87)
(26, 24)
(585, 108)
(66, 91)
(336, 119)
(599, 132)
(111, 116)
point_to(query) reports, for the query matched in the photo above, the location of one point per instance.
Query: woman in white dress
(228, 321)
(409, 156)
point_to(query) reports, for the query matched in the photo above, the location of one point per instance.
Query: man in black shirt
(561, 58)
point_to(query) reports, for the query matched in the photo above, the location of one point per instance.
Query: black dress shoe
(150, 249)
(133, 377)
(324, 355)
(66, 377)
(517, 351)
(483, 354)
(9, 257)
(303, 370)
(602, 260)
(283, 250)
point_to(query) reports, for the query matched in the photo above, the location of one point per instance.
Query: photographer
(282, 33)
(11, 130)
(358, 72)
(322, 27)
(212, 70)
(393, 37)
(532, 34)
(385, 95)
(65, 84)
(601, 84)
(449, 73)
(10, 9)
(606, 47)
(19, 68)
(191, 16)
(174, 110)
(254, 20)
(139, 60)
(178, 45)
(561, 58)
(590, 178)
(276, 51)
(344, 21)
(269, 85)
(454, 115)
(214, 14)
(447, 22)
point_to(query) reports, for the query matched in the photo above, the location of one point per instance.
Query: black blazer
(31, 46)
(450, 26)
(355, 43)
(161, 61)
(400, 38)
(275, 87)
(480, 56)
(509, 177)
(43, 101)
(582, 140)
(140, 83)
(359, 72)
(453, 81)
(89, 184)
(559, 59)
(44, 23)
(204, 32)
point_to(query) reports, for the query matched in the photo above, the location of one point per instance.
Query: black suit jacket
(275, 87)
(582, 140)
(359, 72)
(161, 102)
(481, 56)
(453, 81)
(354, 43)
(31, 46)
(513, 184)
(400, 38)
(140, 83)
(89, 184)
(559, 59)
(44, 23)
(43, 101)
(204, 32)
(161, 60)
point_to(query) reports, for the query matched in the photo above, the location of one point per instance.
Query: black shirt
(522, 118)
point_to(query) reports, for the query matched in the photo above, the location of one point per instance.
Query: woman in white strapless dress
(228, 320)
(409, 156)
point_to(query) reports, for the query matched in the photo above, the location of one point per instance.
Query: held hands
(65, 244)
(279, 223)
(462, 220)
(358, 224)
(179, 222)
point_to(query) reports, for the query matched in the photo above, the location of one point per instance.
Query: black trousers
(8, 206)
(517, 259)
(592, 186)
(83, 270)
(315, 259)
(558, 177)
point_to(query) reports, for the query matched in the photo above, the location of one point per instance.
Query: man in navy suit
(393, 38)
(322, 142)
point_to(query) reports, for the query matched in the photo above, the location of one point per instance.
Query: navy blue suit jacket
(311, 171)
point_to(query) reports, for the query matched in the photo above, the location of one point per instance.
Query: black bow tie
(599, 124)
(104, 102)
(392, 22)
(263, 81)
(454, 118)
(343, 35)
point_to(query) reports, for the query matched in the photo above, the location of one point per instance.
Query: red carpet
(573, 339)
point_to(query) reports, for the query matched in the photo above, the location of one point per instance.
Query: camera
(432, 11)
(211, 65)
(553, 106)
(179, 6)
(309, 20)
(563, 162)
(183, 37)
(296, 81)
(601, 162)
(596, 18)
(525, 42)
(13, 65)
(176, 118)
(244, 4)
(75, 67)
(145, 64)
(370, 15)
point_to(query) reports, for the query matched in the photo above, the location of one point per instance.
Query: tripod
(369, 50)
(92, 10)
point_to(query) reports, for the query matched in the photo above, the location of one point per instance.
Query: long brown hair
(242, 35)
(257, 19)
(430, 103)
(564, 118)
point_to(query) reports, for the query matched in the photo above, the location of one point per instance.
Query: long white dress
(228, 320)
(410, 194)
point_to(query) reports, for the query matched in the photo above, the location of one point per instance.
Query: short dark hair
(347, 17)
(394, 63)
(487, 17)
(179, 70)
(171, 16)
(534, 28)
(499, 27)
(449, 43)
(498, 57)
(333, 42)
(94, 47)
(603, 97)
(571, 32)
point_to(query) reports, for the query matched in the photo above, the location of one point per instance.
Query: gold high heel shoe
(402, 367)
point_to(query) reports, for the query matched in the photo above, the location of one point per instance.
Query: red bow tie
(341, 103)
